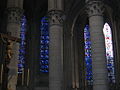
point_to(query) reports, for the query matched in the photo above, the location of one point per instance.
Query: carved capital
(95, 8)
(14, 14)
(56, 17)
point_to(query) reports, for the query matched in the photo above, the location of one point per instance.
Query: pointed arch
(109, 52)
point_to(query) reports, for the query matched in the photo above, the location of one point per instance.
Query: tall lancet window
(88, 59)
(44, 45)
(22, 45)
(109, 52)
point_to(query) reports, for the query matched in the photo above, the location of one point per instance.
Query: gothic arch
(80, 23)
(77, 27)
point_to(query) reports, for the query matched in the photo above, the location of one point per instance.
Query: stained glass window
(22, 45)
(109, 52)
(44, 45)
(88, 59)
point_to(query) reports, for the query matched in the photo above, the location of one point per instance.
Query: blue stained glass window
(88, 59)
(44, 45)
(22, 45)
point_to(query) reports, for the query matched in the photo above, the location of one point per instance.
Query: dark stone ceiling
(35, 8)
(39, 7)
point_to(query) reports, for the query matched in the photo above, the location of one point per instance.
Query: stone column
(55, 45)
(99, 65)
(13, 27)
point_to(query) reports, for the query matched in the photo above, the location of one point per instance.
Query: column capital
(56, 17)
(94, 8)
(14, 14)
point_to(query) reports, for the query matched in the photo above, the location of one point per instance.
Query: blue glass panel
(88, 59)
(44, 45)
(22, 45)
